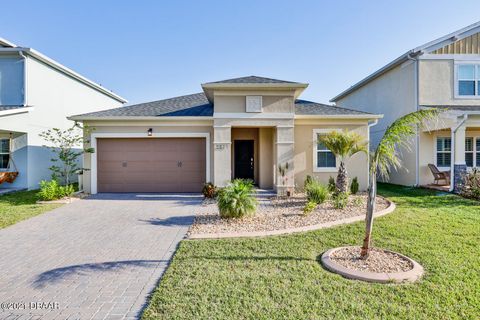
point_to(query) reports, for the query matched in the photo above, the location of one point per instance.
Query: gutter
(417, 107)
(132, 118)
(345, 116)
(452, 161)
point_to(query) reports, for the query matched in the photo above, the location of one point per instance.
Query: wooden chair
(439, 175)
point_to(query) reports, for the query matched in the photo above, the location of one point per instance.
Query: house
(250, 127)
(36, 94)
(445, 74)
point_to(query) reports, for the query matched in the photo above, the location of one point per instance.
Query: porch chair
(439, 175)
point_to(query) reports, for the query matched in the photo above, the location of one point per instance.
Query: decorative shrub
(51, 190)
(209, 190)
(316, 192)
(309, 207)
(471, 185)
(340, 200)
(354, 186)
(308, 180)
(331, 185)
(237, 199)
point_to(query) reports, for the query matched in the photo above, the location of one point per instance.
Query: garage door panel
(151, 164)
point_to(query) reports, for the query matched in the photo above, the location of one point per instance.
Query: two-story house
(36, 94)
(251, 127)
(445, 74)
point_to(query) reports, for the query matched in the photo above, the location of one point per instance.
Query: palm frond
(344, 144)
(399, 136)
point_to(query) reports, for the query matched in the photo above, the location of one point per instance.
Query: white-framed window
(467, 80)
(477, 152)
(323, 159)
(469, 152)
(444, 152)
(4, 153)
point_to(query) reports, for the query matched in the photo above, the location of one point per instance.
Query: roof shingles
(252, 80)
(197, 105)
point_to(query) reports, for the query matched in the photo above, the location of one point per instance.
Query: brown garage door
(151, 165)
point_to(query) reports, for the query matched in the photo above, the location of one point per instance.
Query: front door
(244, 164)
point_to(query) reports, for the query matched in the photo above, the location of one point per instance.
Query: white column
(222, 155)
(460, 145)
(284, 159)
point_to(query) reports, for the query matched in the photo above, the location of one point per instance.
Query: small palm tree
(398, 135)
(343, 145)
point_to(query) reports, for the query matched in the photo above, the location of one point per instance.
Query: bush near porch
(280, 277)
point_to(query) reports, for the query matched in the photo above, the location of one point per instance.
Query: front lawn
(18, 206)
(281, 278)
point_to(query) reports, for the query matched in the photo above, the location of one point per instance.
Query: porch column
(459, 166)
(284, 177)
(222, 155)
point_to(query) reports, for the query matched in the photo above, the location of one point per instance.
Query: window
(324, 159)
(477, 151)
(468, 79)
(444, 151)
(11, 81)
(469, 151)
(4, 153)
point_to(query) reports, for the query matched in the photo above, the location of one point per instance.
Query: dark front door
(244, 159)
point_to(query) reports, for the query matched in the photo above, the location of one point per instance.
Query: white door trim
(95, 136)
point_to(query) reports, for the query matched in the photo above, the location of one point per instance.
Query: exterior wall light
(150, 132)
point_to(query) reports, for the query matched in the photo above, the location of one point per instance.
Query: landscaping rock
(279, 213)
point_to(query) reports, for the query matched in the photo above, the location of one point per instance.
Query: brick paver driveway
(94, 258)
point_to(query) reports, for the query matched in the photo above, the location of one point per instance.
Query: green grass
(281, 278)
(18, 206)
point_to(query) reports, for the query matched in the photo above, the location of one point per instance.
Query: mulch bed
(279, 214)
(378, 261)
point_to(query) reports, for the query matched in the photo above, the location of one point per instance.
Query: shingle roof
(252, 79)
(192, 105)
(304, 107)
(197, 105)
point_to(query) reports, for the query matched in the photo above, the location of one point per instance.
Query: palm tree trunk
(372, 194)
(342, 178)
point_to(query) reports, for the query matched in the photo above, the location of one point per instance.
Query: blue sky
(150, 50)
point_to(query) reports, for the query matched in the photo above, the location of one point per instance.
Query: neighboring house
(36, 94)
(247, 127)
(445, 74)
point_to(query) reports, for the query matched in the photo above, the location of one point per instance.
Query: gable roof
(197, 105)
(411, 54)
(304, 107)
(7, 46)
(252, 80)
(192, 105)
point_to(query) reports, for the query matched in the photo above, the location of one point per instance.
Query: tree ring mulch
(381, 266)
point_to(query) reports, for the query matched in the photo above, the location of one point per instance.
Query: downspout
(370, 124)
(417, 136)
(452, 160)
(25, 101)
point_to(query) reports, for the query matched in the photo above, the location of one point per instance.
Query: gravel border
(246, 234)
(412, 275)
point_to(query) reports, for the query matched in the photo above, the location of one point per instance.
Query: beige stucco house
(246, 127)
(444, 73)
